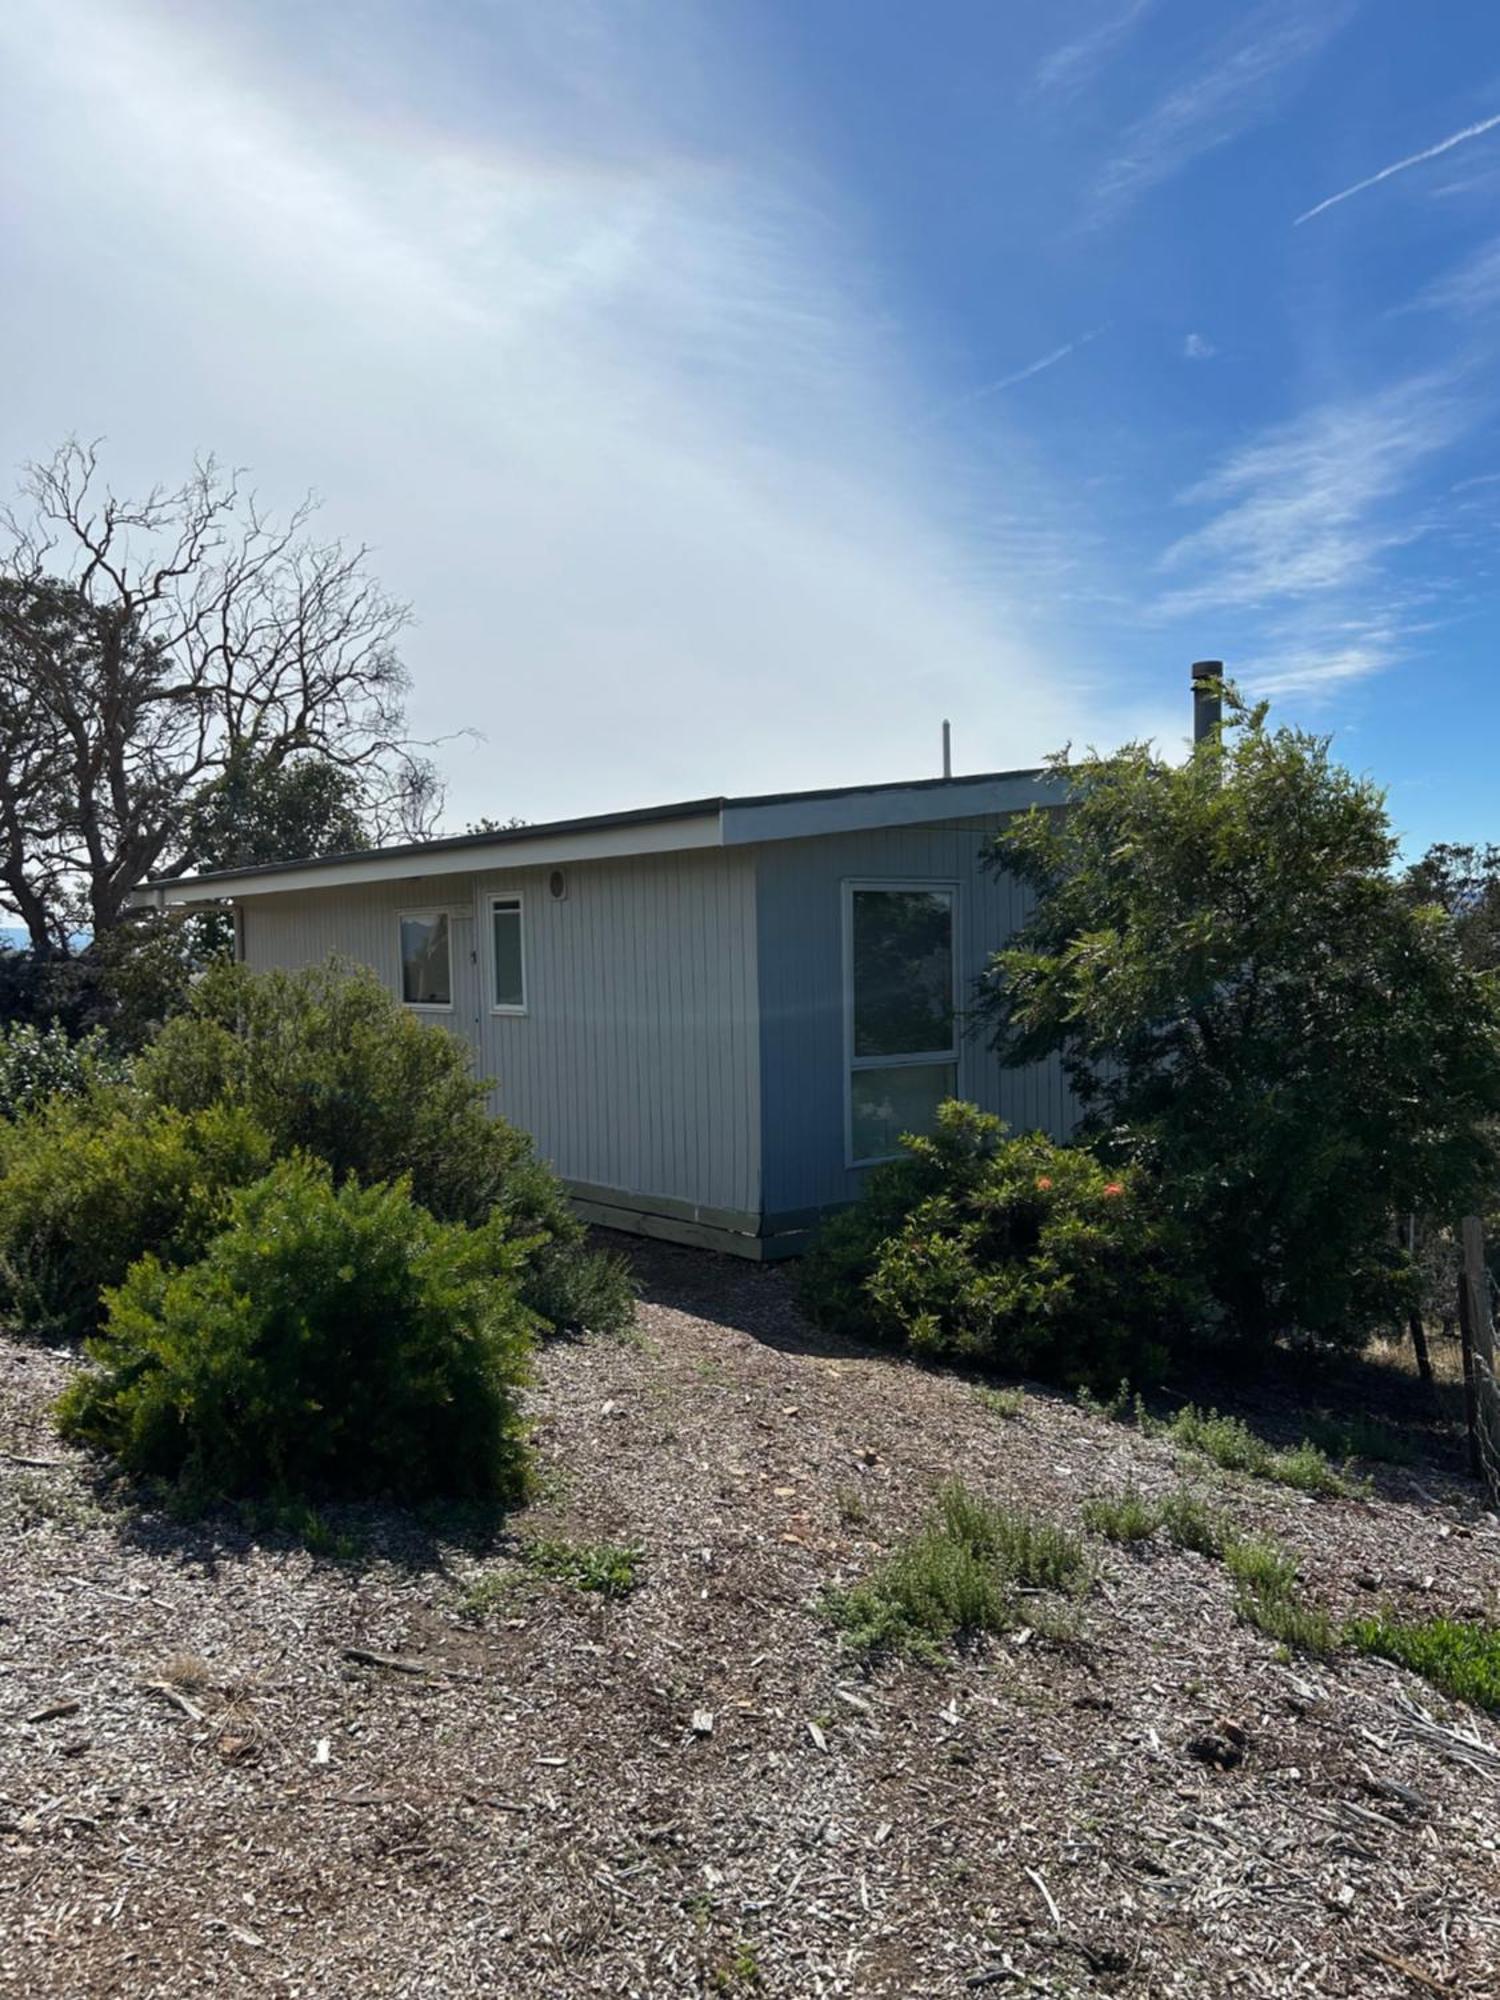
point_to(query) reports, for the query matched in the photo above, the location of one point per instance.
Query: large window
(902, 1020)
(508, 955)
(426, 959)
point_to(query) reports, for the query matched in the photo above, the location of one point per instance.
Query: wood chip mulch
(414, 1766)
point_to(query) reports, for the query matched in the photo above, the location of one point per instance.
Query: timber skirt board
(732, 1232)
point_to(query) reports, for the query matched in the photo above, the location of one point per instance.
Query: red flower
(1044, 1180)
(1114, 1187)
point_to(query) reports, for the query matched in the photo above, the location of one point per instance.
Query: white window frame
(426, 913)
(492, 898)
(852, 886)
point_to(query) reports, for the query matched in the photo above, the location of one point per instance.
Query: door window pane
(426, 964)
(902, 945)
(887, 1102)
(510, 971)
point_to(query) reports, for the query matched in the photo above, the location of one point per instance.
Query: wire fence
(1478, 1311)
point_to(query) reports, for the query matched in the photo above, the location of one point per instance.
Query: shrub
(958, 1576)
(41, 1063)
(330, 1064)
(1014, 1252)
(330, 1341)
(93, 1183)
(1122, 1517)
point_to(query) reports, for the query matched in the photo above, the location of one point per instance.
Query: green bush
(330, 1341)
(41, 1063)
(92, 1183)
(1014, 1252)
(328, 1063)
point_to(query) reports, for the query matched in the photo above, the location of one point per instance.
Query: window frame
(493, 898)
(427, 912)
(950, 1057)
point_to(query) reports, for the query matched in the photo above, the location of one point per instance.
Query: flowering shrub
(1014, 1252)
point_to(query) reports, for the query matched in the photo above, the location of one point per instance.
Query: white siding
(637, 1064)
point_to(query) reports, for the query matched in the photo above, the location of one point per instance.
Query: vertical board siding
(636, 1066)
(802, 997)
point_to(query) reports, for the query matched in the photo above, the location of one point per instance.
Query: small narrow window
(426, 959)
(900, 995)
(509, 955)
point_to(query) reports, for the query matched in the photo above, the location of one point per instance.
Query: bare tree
(147, 644)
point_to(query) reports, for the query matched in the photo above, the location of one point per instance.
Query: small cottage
(713, 1017)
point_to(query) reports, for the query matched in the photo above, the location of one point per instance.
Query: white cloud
(1196, 348)
(1473, 287)
(1240, 84)
(559, 337)
(1460, 138)
(1070, 68)
(1306, 509)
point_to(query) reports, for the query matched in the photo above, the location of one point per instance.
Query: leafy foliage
(609, 1568)
(41, 1063)
(1015, 1252)
(92, 1183)
(1459, 1656)
(328, 1063)
(1246, 999)
(333, 1341)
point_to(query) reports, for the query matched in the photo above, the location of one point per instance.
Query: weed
(485, 1594)
(1122, 1517)
(851, 1505)
(1268, 1599)
(958, 1576)
(1131, 1517)
(1461, 1658)
(1234, 1447)
(1192, 1525)
(740, 1974)
(1007, 1403)
(1359, 1436)
(607, 1567)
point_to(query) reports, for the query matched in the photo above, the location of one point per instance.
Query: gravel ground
(201, 1790)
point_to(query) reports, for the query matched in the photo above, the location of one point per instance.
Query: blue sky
(738, 389)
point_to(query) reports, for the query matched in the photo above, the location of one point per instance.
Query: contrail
(1400, 166)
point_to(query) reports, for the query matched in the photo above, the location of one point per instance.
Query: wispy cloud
(1197, 348)
(1032, 368)
(1306, 510)
(615, 415)
(1074, 65)
(1473, 287)
(1238, 86)
(1401, 166)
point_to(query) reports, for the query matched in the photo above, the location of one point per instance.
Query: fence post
(1482, 1394)
(1414, 1318)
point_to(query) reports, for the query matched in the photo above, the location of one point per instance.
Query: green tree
(1247, 1001)
(1463, 879)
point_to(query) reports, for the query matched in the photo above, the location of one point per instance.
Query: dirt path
(532, 1812)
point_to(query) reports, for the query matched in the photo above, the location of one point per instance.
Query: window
(900, 1011)
(426, 959)
(508, 994)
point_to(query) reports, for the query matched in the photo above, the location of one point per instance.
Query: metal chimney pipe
(1208, 703)
(947, 750)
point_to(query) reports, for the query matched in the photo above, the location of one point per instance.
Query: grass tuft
(1122, 1517)
(1234, 1447)
(1007, 1403)
(959, 1576)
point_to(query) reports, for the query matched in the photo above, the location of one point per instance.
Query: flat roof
(684, 823)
